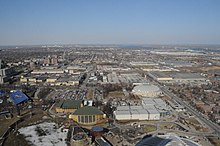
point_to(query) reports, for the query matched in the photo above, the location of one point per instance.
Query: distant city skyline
(35, 22)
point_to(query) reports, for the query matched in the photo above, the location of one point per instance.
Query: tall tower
(2, 64)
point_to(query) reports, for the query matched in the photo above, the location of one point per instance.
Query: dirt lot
(5, 123)
(116, 94)
(215, 141)
(16, 140)
(90, 94)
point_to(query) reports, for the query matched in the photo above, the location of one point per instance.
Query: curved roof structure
(170, 139)
(146, 89)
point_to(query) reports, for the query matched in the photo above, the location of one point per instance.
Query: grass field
(193, 121)
(149, 128)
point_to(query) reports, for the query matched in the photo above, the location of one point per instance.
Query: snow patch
(45, 134)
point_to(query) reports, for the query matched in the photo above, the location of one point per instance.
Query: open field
(149, 128)
(90, 94)
(116, 94)
(5, 123)
(193, 121)
(210, 68)
(215, 141)
(167, 126)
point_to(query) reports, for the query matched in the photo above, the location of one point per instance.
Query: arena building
(147, 90)
(87, 115)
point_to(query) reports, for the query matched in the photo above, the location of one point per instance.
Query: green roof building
(87, 115)
(68, 106)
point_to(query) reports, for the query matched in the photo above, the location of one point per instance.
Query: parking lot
(76, 94)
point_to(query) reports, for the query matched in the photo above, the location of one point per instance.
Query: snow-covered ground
(45, 134)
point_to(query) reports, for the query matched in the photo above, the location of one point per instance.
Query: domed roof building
(147, 90)
(87, 115)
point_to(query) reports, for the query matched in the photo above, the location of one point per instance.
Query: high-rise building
(2, 65)
(51, 60)
(5, 73)
(47, 61)
(32, 65)
(54, 61)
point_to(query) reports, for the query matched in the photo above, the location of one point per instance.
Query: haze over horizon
(29, 22)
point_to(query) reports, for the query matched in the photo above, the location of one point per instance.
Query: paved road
(212, 125)
(36, 93)
(89, 70)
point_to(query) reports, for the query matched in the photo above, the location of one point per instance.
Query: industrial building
(177, 53)
(130, 78)
(17, 97)
(178, 77)
(67, 80)
(143, 64)
(151, 109)
(88, 115)
(176, 106)
(111, 68)
(75, 69)
(177, 63)
(5, 73)
(53, 80)
(136, 113)
(68, 106)
(147, 90)
(48, 71)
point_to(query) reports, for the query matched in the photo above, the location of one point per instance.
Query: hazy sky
(109, 21)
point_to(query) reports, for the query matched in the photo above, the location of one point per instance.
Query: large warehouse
(147, 90)
(87, 115)
(151, 109)
(136, 113)
(179, 77)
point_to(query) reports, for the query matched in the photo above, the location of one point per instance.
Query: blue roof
(2, 93)
(97, 129)
(17, 96)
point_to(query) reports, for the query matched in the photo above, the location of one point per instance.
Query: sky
(34, 22)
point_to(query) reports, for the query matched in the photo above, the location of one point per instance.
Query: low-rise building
(68, 106)
(48, 71)
(151, 109)
(179, 78)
